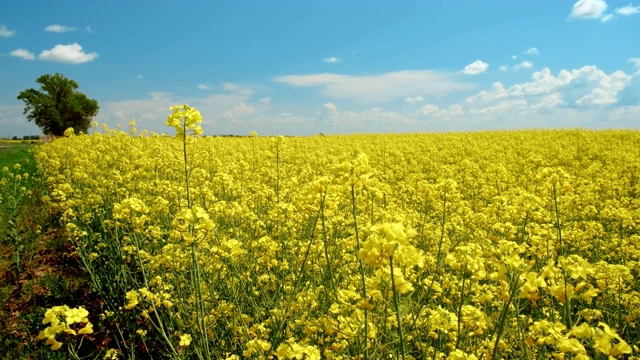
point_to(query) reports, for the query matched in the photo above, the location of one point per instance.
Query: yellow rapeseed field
(479, 245)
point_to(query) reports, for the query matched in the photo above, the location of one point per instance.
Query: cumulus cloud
(414, 100)
(239, 111)
(382, 119)
(5, 32)
(204, 87)
(59, 28)
(628, 10)
(531, 51)
(330, 106)
(241, 90)
(520, 66)
(476, 67)
(265, 101)
(431, 110)
(579, 87)
(635, 62)
(71, 54)
(606, 18)
(24, 54)
(378, 88)
(332, 60)
(524, 65)
(588, 9)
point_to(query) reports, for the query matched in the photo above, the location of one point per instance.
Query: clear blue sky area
(307, 67)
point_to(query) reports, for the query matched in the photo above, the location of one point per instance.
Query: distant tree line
(26, 137)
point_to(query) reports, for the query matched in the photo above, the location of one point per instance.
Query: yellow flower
(111, 354)
(582, 331)
(87, 329)
(460, 355)
(571, 345)
(184, 118)
(76, 315)
(185, 340)
(55, 345)
(132, 297)
(292, 350)
(391, 240)
(529, 288)
(256, 346)
(603, 339)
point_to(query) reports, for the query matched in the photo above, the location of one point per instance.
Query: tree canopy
(58, 105)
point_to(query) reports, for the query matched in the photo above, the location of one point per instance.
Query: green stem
(503, 316)
(567, 300)
(397, 306)
(464, 278)
(324, 239)
(362, 274)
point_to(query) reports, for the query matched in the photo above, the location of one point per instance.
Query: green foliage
(58, 105)
(17, 153)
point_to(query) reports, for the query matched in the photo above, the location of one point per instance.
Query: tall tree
(58, 105)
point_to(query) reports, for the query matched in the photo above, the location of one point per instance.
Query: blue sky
(307, 67)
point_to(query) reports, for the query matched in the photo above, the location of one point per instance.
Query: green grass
(12, 152)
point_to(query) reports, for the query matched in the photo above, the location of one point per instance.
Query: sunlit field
(481, 245)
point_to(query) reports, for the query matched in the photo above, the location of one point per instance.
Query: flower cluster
(184, 119)
(61, 320)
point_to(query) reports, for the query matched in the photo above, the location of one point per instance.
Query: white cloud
(524, 65)
(5, 32)
(503, 106)
(22, 53)
(330, 106)
(579, 87)
(628, 10)
(162, 96)
(429, 109)
(59, 28)
(532, 51)
(588, 9)
(265, 101)
(476, 67)
(71, 54)
(376, 117)
(230, 86)
(606, 18)
(242, 90)
(332, 60)
(204, 87)
(378, 88)
(635, 62)
(435, 111)
(550, 101)
(513, 57)
(414, 100)
(238, 111)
